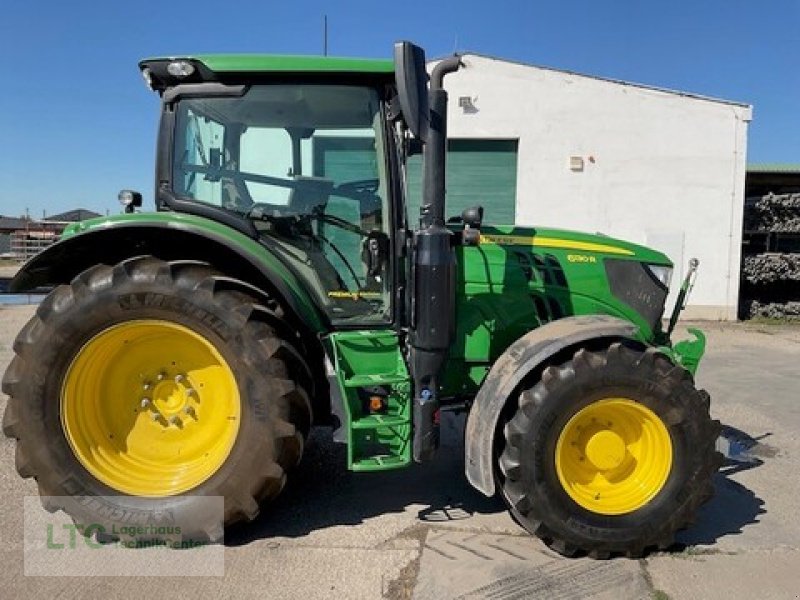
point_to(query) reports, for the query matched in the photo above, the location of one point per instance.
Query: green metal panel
(480, 172)
(688, 352)
(200, 225)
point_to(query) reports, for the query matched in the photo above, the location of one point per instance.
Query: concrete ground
(424, 533)
(8, 269)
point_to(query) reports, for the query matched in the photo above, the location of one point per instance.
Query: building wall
(660, 168)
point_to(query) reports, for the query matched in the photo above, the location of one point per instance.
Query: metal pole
(325, 36)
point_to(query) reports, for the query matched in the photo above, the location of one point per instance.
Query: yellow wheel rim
(613, 456)
(150, 408)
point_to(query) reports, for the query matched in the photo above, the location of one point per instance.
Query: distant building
(11, 224)
(8, 227)
(21, 237)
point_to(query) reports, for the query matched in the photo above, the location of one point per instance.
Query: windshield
(306, 164)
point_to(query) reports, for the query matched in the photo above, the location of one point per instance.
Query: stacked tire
(771, 257)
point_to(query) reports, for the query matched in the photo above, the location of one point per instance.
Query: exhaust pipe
(433, 306)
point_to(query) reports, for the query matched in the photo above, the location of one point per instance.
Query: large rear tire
(611, 452)
(149, 386)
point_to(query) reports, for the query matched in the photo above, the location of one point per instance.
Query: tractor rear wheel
(148, 387)
(609, 453)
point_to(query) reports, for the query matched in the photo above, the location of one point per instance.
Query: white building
(538, 146)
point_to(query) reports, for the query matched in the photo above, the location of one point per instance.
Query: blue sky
(78, 124)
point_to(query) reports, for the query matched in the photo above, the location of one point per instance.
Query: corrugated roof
(79, 214)
(13, 223)
(792, 168)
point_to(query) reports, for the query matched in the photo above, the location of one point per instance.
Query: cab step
(376, 389)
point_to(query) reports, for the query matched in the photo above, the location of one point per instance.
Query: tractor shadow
(733, 506)
(322, 493)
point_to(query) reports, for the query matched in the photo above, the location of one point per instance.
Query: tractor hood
(522, 277)
(578, 242)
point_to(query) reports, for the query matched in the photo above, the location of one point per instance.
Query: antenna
(325, 35)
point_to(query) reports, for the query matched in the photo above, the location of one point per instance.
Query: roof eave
(644, 86)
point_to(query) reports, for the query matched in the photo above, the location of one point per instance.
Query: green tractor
(187, 352)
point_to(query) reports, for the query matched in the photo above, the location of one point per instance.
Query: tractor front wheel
(609, 453)
(148, 387)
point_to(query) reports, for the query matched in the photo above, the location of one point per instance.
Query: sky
(78, 124)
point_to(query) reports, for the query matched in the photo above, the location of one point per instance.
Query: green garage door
(478, 172)
(344, 159)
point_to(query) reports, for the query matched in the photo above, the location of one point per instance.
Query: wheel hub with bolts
(173, 400)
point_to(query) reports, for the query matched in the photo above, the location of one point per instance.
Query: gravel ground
(424, 533)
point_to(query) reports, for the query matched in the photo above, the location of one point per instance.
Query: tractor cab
(304, 165)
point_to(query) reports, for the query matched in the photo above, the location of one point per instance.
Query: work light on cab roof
(180, 69)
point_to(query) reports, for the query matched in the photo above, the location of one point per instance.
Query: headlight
(130, 200)
(662, 273)
(126, 197)
(148, 77)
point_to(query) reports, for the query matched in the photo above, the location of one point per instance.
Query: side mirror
(412, 87)
(130, 200)
(374, 252)
(472, 218)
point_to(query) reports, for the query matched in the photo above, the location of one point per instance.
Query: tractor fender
(520, 358)
(169, 236)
